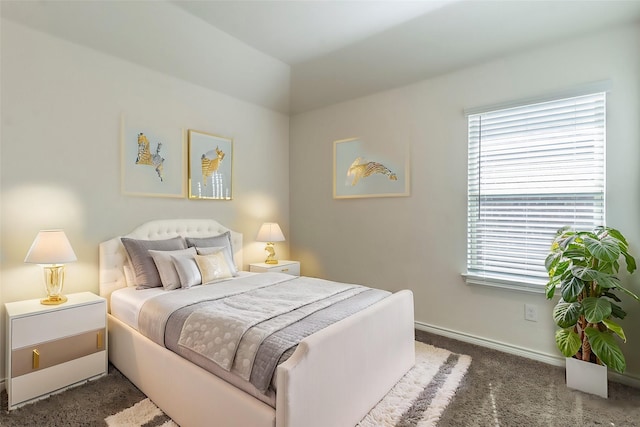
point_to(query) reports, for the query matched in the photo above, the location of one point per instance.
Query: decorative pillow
(213, 267)
(144, 269)
(129, 278)
(166, 268)
(227, 255)
(220, 240)
(187, 270)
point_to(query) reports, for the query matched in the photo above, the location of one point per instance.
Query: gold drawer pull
(99, 340)
(284, 270)
(35, 359)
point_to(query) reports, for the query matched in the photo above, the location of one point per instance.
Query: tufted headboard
(113, 256)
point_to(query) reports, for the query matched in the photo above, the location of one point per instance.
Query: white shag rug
(418, 399)
(421, 396)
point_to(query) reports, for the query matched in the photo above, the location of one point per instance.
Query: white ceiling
(297, 31)
(329, 51)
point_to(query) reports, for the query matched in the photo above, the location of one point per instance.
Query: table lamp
(52, 250)
(270, 232)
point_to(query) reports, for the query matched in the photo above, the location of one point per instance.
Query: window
(532, 170)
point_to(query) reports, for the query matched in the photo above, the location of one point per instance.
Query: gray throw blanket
(215, 331)
(279, 346)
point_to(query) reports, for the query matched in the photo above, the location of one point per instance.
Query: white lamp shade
(270, 232)
(50, 247)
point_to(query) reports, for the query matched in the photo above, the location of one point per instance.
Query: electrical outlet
(530, 312)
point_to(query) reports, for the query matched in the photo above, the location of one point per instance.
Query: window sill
(493, 282)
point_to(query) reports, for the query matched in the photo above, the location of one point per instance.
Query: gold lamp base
(271, 257)
(54, 300)
(53, 283)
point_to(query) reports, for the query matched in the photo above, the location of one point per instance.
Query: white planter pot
(588, 377)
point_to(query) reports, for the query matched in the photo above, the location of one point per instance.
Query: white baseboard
(550, 359)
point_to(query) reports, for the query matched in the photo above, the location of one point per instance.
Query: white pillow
(213, 267)
(227, 255)
(168, 273)
(187, 270)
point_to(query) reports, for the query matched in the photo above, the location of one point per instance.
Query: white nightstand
(283, 266)
(53, 347)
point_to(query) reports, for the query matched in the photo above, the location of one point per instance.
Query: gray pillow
(221, 240)
(144, 269)
(168, 273)
(187, 270)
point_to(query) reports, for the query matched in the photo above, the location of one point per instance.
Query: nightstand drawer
(45, 355)
(284, 266)
(41, 383)
(49, 326)
(293, 269)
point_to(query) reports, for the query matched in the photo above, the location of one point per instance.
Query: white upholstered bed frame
(333, 379)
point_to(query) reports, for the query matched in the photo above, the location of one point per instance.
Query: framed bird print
(210, 166)
(362, 170)
(152, 158)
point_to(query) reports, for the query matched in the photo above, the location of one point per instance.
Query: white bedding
(246, 310)
(127, 302)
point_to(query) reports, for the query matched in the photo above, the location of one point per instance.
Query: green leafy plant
(583, 266)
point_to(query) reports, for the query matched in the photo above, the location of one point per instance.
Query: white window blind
(532, 170)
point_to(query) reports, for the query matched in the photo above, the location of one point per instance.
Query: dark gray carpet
(509, 391)
(498, 390)
(85, 405)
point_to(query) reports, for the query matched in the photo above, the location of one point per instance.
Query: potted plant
(583, 266)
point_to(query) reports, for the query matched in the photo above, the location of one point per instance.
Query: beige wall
(60, 164)
(419, 242)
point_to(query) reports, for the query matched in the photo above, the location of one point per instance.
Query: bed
(333, 378)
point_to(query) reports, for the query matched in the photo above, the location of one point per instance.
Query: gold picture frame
(363, 170)
(210, 160)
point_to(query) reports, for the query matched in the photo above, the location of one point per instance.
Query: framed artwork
(210, 161)
(152, 159)
(362, 170)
